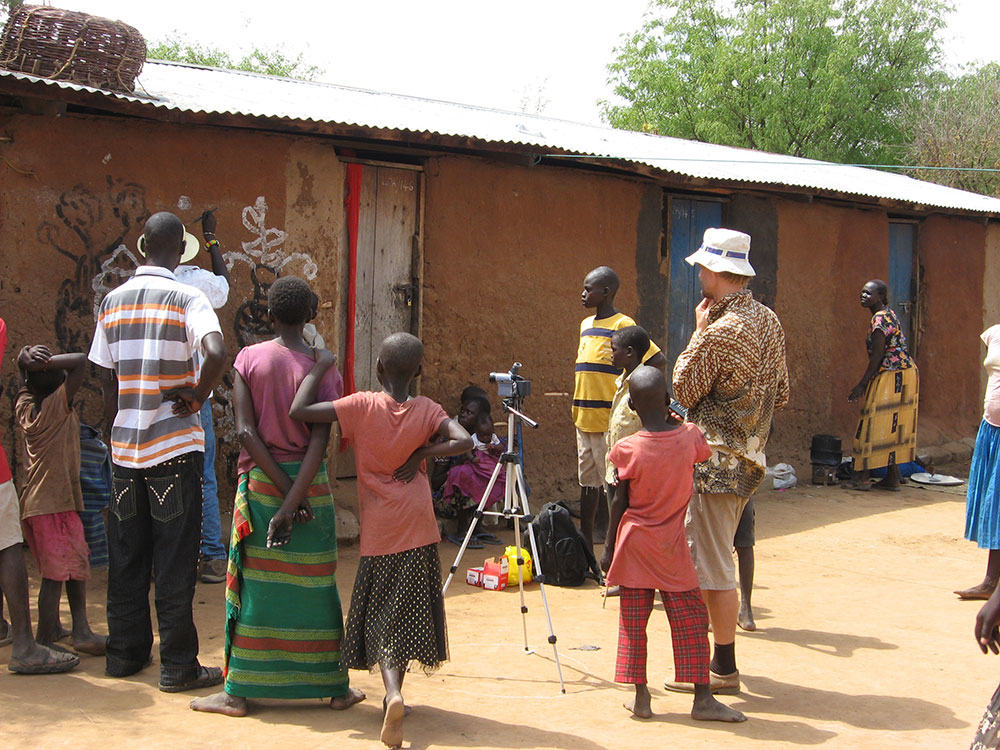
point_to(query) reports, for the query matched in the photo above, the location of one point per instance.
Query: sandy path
(861, 645)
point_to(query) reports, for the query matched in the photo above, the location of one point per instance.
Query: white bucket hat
(191, 247)
(724, 250)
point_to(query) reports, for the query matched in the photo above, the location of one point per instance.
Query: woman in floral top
(887, 429)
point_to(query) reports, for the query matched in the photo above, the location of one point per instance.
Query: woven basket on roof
(68, 46)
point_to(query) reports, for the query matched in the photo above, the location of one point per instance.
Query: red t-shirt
(4, 466)
(395, 516)
(651, 550)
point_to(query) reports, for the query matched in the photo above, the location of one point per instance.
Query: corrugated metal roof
(186, 88)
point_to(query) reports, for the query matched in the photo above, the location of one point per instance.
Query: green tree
(824, 79)
(956, 125)
(266, 61)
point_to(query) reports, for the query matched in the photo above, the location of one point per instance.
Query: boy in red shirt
(648, 550)
(397, 608)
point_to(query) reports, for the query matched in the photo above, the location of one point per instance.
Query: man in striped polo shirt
(148, 330)
(593, 390)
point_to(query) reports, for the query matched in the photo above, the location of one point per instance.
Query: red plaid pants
(688, 618)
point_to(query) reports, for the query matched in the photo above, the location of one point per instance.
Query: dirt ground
(861, 644)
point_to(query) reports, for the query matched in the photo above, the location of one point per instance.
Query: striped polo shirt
(148, 331)
(594, 387)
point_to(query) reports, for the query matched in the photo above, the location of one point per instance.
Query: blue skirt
(982, 509)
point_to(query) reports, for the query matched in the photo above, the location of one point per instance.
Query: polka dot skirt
(397, 612)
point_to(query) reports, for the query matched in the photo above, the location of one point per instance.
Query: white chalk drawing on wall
(119, 267)
(267, 261)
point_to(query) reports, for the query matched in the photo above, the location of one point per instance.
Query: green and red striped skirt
(284, 622)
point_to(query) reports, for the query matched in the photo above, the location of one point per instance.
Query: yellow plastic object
(525, 570)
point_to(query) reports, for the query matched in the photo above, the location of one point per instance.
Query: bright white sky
(496, 54)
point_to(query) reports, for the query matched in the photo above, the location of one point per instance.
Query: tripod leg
(472, 527)
(520, 583)
(545, 605)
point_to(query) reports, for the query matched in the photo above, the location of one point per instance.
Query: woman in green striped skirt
(284, 622)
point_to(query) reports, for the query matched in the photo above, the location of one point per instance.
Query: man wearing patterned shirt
(148, 331)
(731, 377)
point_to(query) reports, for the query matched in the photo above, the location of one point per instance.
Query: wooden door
(386, 282)
(688, 221)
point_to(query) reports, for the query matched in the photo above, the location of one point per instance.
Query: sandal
(487, 538)
(207, 677)
(55, 662)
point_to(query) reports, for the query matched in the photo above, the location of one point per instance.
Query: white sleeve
(201, 320)
(216, 288)
(100, 352)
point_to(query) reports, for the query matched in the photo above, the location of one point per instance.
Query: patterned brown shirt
(731, 377)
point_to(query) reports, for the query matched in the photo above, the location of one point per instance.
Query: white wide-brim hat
(191, 247)
(724, 250)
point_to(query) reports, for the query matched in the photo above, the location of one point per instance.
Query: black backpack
(566, 559)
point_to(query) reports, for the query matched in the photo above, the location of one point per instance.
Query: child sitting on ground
(52, 497)
(467, 481)
(461, 506)
(647, 549)
(397, 608)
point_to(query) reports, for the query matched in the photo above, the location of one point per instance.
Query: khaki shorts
(10, 517)
(591, 454)
(711, 525)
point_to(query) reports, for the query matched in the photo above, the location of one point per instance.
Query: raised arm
(454, 440)
(246, 430)
(296, 504)
(208, 224)
(303, 406)
(75, 365)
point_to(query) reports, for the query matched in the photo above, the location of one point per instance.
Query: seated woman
(887, 429)
(463, 480)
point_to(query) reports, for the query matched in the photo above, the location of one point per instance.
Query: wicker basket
(68, 46)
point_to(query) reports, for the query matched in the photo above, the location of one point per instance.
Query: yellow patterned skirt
(887, 429)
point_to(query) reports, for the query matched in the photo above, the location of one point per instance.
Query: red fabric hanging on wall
(352, 205)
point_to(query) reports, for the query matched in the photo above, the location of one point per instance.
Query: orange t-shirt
(395, 516)
(651, 550)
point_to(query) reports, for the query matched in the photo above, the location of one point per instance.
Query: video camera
(510, 384)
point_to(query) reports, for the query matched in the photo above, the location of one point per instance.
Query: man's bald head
(401, 355)
(604, 276)
(647, 389)
(163, 238)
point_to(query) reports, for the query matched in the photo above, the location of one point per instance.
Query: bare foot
(982, 591)
(221, 703)
(407, 710)
(745, 618)
(639, 706)
(709, 709)
(348, 699)
(392, 724)
(95, 645)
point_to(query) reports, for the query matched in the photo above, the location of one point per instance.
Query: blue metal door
(688, 221)
(902, 240)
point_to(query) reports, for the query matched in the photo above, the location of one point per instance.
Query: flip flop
(207, 677)
(487, 538)
(52, 664)
(457, 540)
